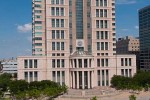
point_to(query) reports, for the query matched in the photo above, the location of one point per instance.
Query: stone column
(61, 77)
(56, 77)
(73, 74)
(82, 63)
(77, 63)
(89, 80)
(77, 79)
(83, 80)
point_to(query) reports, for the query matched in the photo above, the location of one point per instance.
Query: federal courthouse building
(73, 43)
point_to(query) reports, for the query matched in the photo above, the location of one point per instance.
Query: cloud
(124, 29)
(24, 28)
(136, 27)
(126, 1)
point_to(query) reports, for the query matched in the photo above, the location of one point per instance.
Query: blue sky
(15, 24)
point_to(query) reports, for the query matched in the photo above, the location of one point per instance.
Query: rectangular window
(35, 63)
(58, 45)
(57, 34)
(38, 27)
(53, 11)
(97, 12)
(58, 63)
(105, 12)
(61, 1)
(106, 34)
(26, 76)
(97, 34)
(102, 62)
(101, 23)
(98, 62)
(35, 76)
(98, 46)
(57, 11)
(57, 1)
(54, 76)
(62, 22)
(62, 11)
(57, 22)
(53, 45)
(101, 3)
(53, 34)
(102, 34)
(106, 24)
(106, 62)
(52, 1)
(106, 45)
(97, 2)
(122, 62)
(62, 46)
(31, 76)
(38, 16)
(130, 63)
(102, 45)
(25, 63)
(101, 13)
(30, 64)
(105, 3)
(62, 63)
(97, 23)
(53, 63)
(126, 62)
(53, 22)
(62, 34)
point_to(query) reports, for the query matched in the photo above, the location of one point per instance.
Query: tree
(132, 97)
(94, 98)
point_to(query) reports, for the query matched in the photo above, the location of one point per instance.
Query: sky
(16, 17)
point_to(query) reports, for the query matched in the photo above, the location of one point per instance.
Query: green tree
(94, 98)
(132, 97)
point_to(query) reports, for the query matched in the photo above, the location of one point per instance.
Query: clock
(79, 43)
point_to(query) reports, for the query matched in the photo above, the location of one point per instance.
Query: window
(126, 62)
(35, 63)
(106, 62)
(26, 76)
(97, 34)
(58, 45)
(53, 22)
(122, 62)
(53, 34)
(62, 22)
(62, 34)
(37, 11)
(62, 11)
(98, 62)
(53, 11)
(97, 2)
(38, 16)
(58, 63)
(106, 45)
(57, 34)
(61, 1)
(101, 13)
(25, 63)
(37, 6)
(105, 2)
(63, 63)
(97, 23)
(105, 13)
(38, 27)
(53, 45)
(62, 45)
(102, 62)
(106, 24)
(52, 1)
(53, 63)
(57, 1)
(57, 11)
(97, 12)
(101, 3)
(130, 63)
(30, 63)
(57, 22)
(102, 45)
(98, 46)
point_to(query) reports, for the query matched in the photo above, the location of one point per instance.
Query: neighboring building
(74, 44)
(1, 66)
(9, 66)
(129, 45)
(144, 33)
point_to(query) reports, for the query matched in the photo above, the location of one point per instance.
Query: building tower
(144, 35)
(74, 44)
